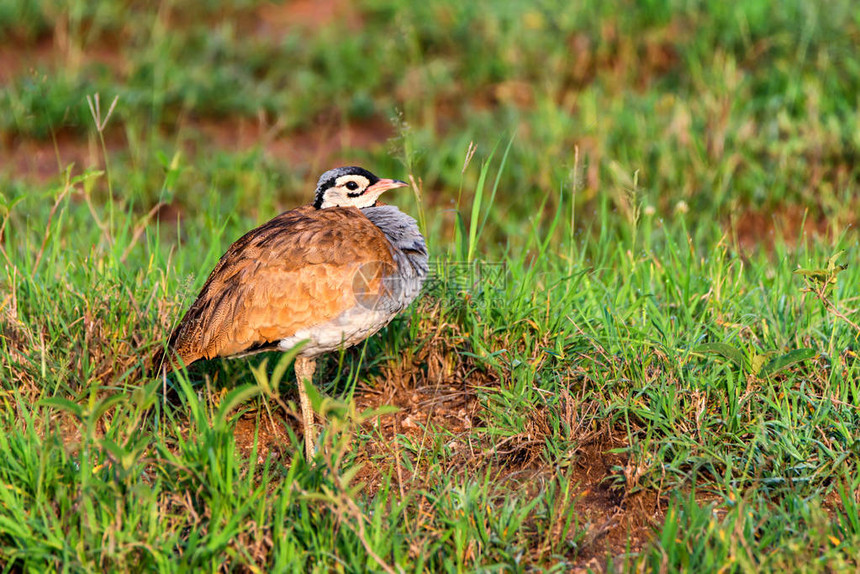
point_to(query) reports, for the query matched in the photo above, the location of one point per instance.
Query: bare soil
(789, 224)
(443, 400)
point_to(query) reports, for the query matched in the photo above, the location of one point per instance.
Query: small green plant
(822, 283)
(754, 362)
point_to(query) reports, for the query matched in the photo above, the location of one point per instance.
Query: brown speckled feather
(291, 273)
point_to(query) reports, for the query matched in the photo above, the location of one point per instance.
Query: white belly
(346, 330)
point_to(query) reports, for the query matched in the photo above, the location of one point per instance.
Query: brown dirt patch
(258, 429)
(620, 522)
(318, 149)
(321, 146)
(617, 522)
(444, 401)
(43, 161)
(19, 58)
(785, 223)
(274, 19)
(58, 48)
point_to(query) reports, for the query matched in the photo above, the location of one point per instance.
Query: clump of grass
(754, 535)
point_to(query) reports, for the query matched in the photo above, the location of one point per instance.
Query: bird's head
(351, 187)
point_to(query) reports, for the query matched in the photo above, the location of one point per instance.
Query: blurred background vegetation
(743, 113)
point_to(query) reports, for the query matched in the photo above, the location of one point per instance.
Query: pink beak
(385, 185)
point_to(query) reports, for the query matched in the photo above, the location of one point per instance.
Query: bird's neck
(403, 235)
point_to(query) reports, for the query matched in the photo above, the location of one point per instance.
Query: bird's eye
(351, 185)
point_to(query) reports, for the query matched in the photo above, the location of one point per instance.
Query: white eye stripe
(360, 182)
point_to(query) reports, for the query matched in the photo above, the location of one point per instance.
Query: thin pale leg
(305, 371)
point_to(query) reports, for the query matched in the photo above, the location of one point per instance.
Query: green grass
(649, 384)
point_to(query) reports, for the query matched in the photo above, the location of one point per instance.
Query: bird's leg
(305, 371)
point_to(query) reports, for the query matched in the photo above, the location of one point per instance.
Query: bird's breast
(381, 290)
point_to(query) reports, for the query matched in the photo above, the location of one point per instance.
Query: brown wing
(291, 273)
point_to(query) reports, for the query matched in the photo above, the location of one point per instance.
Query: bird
(328, 274)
